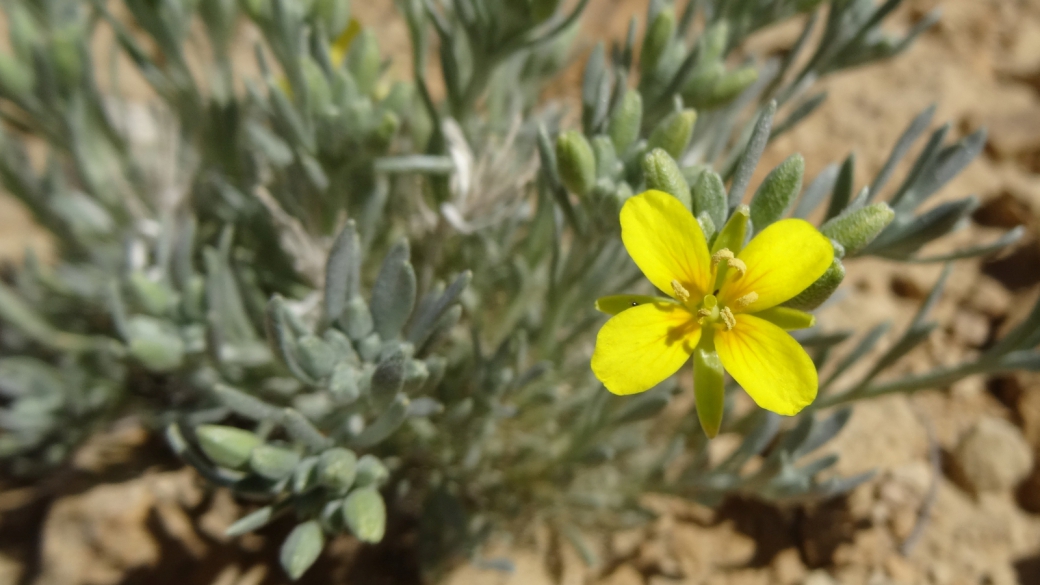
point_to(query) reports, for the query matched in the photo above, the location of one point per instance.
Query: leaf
(777, 192)
(342, 272)
(302, 548)
(365, 514)
(393, 294)
(752, 153)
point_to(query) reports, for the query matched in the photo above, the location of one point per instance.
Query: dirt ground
(956, 498)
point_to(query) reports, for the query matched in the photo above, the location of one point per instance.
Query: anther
(704, 313)
(680, 291)
(718, 257)
(746, 300)
(737, 265)
(728, 318)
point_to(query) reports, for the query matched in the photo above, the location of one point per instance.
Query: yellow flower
(722, 300)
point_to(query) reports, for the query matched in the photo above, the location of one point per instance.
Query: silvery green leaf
(777, 192)
(303, 430)
(387, 381)
(273, 462)
(365, 514)
(823, 430)
(905, 238)
(426, 317)
(315, 356)
(948, 163)
(393, 294)
(357, 319)
(673, 133)
(595, 91)
(337, 468)
(607, 164)
(762, 433)
(817, 191)
(626, 121)
(282, 338)
(922, 164)
(226, 446)
(385, 424)
(843, 186)
(343, 383)
(902, 147)
(1000, 243)
(245, 405)
(301, 548)
(305, 475)
(709, 195)
(862, 349)
(252, 521)
(342, 272)
(424, 407)
(751, 154)
(155, 343)
(371, 472)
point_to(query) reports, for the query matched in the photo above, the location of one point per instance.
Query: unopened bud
(663, 174)
(674, 132)
(626, 121)
(363, 61)
(658, 38)
(577, 163)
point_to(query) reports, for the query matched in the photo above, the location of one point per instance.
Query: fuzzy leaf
(393, 294)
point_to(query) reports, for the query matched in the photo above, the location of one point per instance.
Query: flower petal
(666, 243)
(614, 304)
(769, 364)
(638, 348)
(782, 261)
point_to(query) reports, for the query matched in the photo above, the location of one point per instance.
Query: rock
(1018, 269)
(1014, 133)
(819, 577)
(988, 297)
(971, 328)
(993, 456)
(1005, 211)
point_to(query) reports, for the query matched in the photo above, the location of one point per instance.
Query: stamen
(746, 300)
(719, 256)
(680, 291)
(737, 265)
(728, 318)
(704, 313)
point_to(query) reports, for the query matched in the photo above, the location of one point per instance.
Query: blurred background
(978, 524)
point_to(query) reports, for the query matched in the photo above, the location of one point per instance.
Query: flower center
(710, 311)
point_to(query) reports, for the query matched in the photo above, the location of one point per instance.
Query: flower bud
(334, 14)
(663, 174)
(363, 61)
(337, 469)
(228, 447)
(674, 132)
(855, 228)
(365, 514)
(576, 161)
(819, 291)
(777, 192)
(731, 85)
(607, 164)
(626, 121)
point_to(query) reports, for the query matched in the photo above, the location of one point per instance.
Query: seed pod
(663, 174)
(855, 228)
(273, 462)
(819, 291)
(777, 192)
(658, 38)
(337, 468)
(576, 161)
(228, 447)
(709, 390)
(674, 132)
(365, 514)
(301, 548)
(626, 121)
(371, 472)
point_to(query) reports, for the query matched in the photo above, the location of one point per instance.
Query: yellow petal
(614, 304)
(769, 364)
(339, 47)
(782, 261)
(666, 243)
(787, 318)
(638, 348)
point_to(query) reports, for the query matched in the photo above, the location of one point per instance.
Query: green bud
(301, 548)
(365, 514)
(819, 291)
(698, 88)
(777, 192)
(576, 161)
(674, 132)
(709, 389)
(732, 237)
(658, 38)
(371, 472)
(334, 14)
(15, 78)
(316, 356)
(663, 174)
(693, 173)
(714, 41)
(364, 61)
(607, 164)
(543, 10)
(228, 447)
(273, 462)
(855, 228)
(337, 469)
(626, 121)
(709, 196)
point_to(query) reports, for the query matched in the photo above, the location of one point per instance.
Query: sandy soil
(982, 66)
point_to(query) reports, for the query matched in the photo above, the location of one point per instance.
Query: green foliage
(344, 299)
